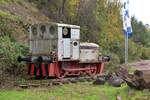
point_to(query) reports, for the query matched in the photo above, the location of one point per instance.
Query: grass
(10, 1)
(8, 16)
(79, 91)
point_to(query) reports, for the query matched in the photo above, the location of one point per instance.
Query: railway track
(51, 82)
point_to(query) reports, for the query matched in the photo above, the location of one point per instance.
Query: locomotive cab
(61, 39)
(68, 42)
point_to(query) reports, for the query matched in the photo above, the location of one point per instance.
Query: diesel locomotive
(55, 50)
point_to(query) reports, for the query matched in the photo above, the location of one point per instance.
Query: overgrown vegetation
(9, 51)
(10, 1)
(11, 46)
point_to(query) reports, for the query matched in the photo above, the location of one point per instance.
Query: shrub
(9, 51)
(114, 63)
(135, 51)
(145, 53)
(10, 1)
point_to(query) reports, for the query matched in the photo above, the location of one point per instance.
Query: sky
(141, 10)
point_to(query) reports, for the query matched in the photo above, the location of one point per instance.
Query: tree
(140, 33)
(110, 22)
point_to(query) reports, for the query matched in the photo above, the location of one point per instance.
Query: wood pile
(140, 79)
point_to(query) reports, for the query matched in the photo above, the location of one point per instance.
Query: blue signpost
(126, 27)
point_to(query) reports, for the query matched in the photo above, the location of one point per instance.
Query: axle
(36, 59)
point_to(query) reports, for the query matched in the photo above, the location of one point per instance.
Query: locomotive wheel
(84, 73)
(62, 74)
(92, 72)
(88, 72)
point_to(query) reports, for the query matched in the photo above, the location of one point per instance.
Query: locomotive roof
(87, 45)
(57, 24)
(67, 25)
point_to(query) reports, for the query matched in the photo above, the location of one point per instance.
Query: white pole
(127, 27)
(126, 49)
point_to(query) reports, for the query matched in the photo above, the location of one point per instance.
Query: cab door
(66, 48)
(66, 34)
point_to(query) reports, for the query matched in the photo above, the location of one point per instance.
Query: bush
(114, 63)
(10, 1)
(9, 51)
(117, 47)
(135, 51)
(145, 53)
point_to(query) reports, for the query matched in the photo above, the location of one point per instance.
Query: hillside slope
(15, 18)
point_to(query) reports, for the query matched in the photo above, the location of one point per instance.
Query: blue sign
(126, 19)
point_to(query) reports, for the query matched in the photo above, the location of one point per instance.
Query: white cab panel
(66, 48)
(60, 50)
(75, 34)
(59, 33)
(75, 50)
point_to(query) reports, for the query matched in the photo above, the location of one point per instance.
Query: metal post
(30, 42)
(126, 49)
(127, 27)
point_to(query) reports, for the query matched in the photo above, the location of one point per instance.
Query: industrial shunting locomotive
(55, 50)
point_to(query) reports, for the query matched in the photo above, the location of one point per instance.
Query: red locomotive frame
(72, 69)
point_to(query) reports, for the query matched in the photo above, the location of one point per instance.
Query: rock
(88, 79)
(122, 73)
(73, 80)
(64, 81)
(115, 81)
(81, 79)
(35, 85)
(56, 83)
(118, 97)
(23, 86)
(99, 81)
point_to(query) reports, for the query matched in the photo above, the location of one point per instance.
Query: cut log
(140, 79)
